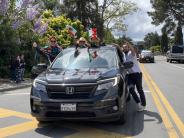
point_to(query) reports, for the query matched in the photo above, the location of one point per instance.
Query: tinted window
(177, 49)
(106, 58)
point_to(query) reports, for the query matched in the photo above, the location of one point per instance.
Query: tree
(16, 31)
(179, 36)
(151, 39)
(100, 13)
(124, 39)
(164, 41)
(57, 27)
(109, 38)
(169, 12)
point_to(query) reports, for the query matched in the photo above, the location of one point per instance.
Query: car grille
(80, 92)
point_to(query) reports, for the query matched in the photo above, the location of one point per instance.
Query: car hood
(79, 75)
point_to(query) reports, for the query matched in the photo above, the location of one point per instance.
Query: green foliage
(109, 38)
(123, 39)
(168, 12)
(155, 48)
(107, 13)
(151, 39)
(164, 41)
(57, 27)
(179, 36)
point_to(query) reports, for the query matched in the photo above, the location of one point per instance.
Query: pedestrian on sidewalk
(17, 69)
(22, 67)
(12, 68)
(134, 76)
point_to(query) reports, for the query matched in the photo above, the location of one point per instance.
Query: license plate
(68, 107)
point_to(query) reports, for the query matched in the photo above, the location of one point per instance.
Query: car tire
(122, 119)
(170, 61)
(167, 60)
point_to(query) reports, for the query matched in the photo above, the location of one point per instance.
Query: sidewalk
(7, 85)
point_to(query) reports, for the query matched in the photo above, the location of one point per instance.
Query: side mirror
(127, 65)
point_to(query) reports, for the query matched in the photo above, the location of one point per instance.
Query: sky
(139, 23)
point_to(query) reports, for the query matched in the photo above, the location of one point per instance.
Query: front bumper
(176, 58)
(146, 59)
(94, 109)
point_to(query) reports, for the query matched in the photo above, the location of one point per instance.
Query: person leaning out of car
(134, 76)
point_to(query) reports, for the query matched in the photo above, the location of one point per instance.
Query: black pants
(135, 79)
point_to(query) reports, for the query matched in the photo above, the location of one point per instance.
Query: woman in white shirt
(134, 76)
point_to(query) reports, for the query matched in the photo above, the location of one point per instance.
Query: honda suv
(89, 85)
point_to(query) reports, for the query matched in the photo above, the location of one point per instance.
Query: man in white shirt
(134, 76)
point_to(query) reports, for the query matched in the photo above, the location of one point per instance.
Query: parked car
(176, 53)
(146, 56)
(90, 85)
(39, 68)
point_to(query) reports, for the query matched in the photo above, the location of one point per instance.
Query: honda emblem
(70, 90)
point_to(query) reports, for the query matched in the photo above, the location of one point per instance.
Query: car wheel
(122, 119)
(167, 60)
(170, 60)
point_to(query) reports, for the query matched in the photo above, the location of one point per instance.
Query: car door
(123, 73)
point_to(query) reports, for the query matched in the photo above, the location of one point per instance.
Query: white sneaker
(140, 107)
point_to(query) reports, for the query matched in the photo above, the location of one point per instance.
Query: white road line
(176, 66)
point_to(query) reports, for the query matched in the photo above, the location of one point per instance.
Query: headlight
(108, 83)
(39, 85)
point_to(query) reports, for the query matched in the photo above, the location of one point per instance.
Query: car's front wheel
(121, 119)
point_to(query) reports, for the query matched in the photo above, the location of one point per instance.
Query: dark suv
(90, 85)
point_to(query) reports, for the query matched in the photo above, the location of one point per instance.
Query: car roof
(111, 47)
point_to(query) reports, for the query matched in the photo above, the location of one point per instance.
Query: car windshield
(92, 58)
(146, 53)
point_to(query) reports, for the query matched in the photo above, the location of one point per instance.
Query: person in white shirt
(134, 76)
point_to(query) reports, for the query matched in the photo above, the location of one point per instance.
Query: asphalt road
(164, 115)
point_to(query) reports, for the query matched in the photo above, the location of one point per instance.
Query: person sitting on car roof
(81, 43)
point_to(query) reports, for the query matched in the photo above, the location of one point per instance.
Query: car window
(106, 58)
(177, 49)
(146, 53)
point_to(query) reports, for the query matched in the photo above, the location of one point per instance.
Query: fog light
(115, 108)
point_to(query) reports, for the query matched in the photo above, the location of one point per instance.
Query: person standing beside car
(22, 67)
(134, 76)
(17, 69)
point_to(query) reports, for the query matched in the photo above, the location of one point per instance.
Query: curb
(15, 88)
